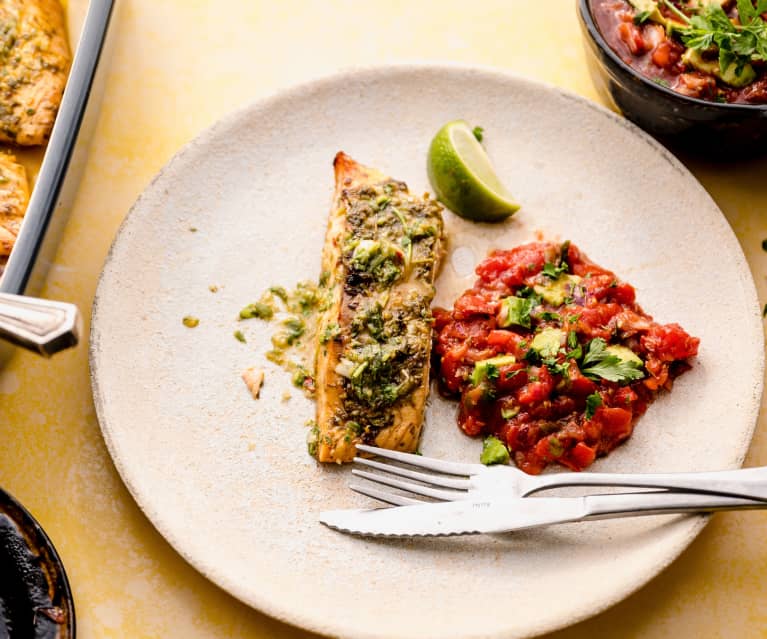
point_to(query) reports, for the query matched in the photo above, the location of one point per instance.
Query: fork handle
(750, 483)
(637, 504)
(38, 325)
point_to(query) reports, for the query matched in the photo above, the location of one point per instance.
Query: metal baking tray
(64, 156)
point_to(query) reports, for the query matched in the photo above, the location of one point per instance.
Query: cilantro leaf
(593, 402)
(746, 11)
(596, 351)
(554, 271)
(598, 363)
(642, 17)
(478, 133)
(738, 44)
(614, 369)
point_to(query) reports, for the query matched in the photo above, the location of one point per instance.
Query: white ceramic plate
(226, 479)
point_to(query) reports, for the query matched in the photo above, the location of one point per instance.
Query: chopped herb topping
(238, 335)
(593, 402)
(478, 133)
(738, 44)
(313, 440)
(331, 332)
(258, 310)
(642, 16)
(554, 271)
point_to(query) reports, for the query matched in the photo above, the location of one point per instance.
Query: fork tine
(436, 493)
(435, 480)
(450, 468)
(384, 496)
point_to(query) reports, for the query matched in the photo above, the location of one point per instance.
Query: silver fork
(453, 481)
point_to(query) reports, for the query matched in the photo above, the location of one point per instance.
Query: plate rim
(372, 72)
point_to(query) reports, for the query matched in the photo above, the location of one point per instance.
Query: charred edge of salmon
(334, 443)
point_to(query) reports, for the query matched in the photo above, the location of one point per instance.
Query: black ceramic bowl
(717, 129)
(35, 599)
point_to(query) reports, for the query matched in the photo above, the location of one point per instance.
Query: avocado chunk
(649, 7)
(624, 354)
(515, 310)
(494, 452)
(558, 290)
(730, 75)
(548, 342)
(488, 368)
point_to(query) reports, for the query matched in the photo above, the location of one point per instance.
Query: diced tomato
(632, 37)
(511, 377)
(577, 384)
(507, 342)
(537, 390)
(582, 456)
(669, 342)
(665, 55)
(472, 304)
(594, 320)
(615, 422)
(512, 267)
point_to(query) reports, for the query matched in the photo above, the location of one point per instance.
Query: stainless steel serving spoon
(38, 325)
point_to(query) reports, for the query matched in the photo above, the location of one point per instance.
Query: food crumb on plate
(190, 321)
(253, 378)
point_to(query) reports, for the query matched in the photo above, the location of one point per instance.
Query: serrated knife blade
(496, 515)
(456, 517)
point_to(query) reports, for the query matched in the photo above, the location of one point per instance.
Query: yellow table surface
(178, 66)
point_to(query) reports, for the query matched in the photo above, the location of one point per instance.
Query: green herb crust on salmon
(382, 252)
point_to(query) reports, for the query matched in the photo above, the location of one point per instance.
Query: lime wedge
(463, 177)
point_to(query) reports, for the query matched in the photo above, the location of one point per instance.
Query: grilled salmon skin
(14, 196)
(34, 62)
(382, 252)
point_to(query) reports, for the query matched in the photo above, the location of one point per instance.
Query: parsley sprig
(737, 43)
(599, 363)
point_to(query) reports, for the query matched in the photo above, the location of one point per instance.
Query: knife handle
(38, 325)
(659, 503)
(750, 483)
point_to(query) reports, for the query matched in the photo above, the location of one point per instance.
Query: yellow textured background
(179, 65)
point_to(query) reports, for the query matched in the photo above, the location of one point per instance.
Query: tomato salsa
(551, 354)
(712, 50)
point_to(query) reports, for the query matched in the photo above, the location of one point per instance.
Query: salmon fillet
(382, 252)
(14, 196)
(34, 62)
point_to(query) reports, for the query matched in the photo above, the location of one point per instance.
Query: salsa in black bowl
(660, 63)
(35, 598)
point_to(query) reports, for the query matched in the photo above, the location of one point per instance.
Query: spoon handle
(38, 325)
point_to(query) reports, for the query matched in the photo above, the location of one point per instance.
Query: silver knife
(498, 515)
